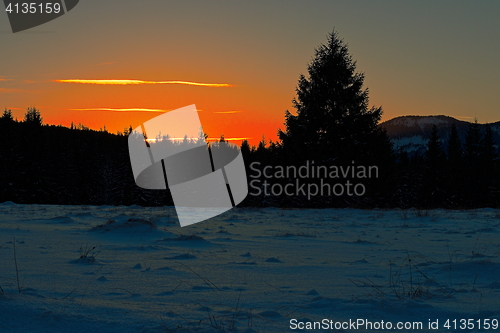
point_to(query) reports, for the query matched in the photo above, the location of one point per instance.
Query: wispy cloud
(465, 118)
(137, 82)
(228, 111)
(121, 110)
(5, 90)
(105, 63)
(9, 77)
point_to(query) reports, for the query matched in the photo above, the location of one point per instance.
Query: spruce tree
(487, 175)
(454, 151)
(472, 143)
(7, 115)
(487, 147)
(472, 152)
(33, 117)
(454, 169)
(433, 182)
(333, 121)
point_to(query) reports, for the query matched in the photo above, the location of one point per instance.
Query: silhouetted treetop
(7, 115)
(454, 146)
(434, 151)
(333, 118)
(472, 146)
(33, 117)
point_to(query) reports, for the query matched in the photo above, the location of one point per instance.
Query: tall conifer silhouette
(333, 120)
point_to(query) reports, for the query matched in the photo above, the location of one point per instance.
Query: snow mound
(125, 223)
(184, 238)
(272, 259)
(61, 219)
(183, 256)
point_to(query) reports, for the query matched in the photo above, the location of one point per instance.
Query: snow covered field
(132, 269)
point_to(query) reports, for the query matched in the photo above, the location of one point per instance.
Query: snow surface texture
(132, 269)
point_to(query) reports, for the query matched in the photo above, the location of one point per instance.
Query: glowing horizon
(207, 139)
(137, 82)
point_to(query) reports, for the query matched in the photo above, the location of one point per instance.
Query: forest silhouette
(332, 126)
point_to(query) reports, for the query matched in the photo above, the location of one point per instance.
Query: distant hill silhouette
(411, 133)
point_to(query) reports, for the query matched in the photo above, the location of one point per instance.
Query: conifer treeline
(42, 164)
(459, 175)
(47, 164)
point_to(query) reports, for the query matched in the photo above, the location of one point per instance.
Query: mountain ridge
(411, 133)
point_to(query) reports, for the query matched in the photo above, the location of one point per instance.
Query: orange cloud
(4, 90)
(121, 110)
(135, 82)
(228, 111)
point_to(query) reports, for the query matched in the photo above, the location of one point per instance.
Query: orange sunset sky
(239, 61)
